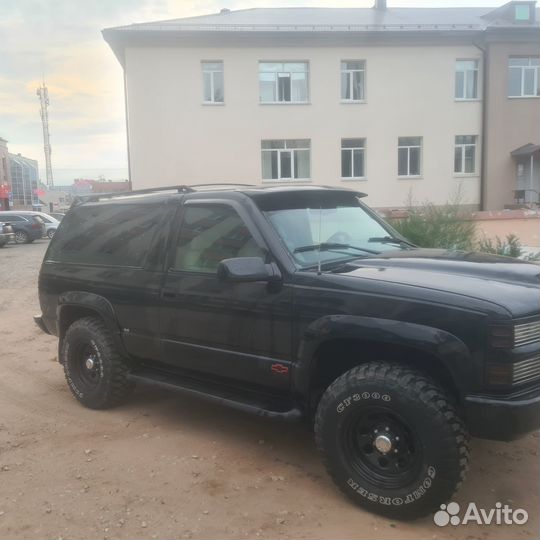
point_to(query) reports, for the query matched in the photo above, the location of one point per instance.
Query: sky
(60, 41)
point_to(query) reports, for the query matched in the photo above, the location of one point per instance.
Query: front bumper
(503, 418)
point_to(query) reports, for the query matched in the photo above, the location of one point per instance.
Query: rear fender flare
(92, 302)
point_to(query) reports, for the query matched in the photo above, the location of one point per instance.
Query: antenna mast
(43, 95)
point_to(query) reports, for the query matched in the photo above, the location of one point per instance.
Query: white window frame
(476, 70)
(409, 147)
(350, 79)
(351, 149)
(522, 78)
(462, 147)
(276, 82)
(212, 73)
(291, 152)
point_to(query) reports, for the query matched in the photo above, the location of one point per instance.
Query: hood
(510, 283)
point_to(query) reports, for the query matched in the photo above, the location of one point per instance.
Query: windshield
(341, 231)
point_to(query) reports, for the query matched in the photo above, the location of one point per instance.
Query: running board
(249, 402)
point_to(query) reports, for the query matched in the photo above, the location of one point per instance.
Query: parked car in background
(51, 223)
(27, 226)
(6, 234)
(57, 215)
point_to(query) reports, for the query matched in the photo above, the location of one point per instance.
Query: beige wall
(525, 224)
(175, 139)
(511, 123)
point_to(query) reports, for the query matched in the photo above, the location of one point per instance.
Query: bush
(511, 247)
(448, 226)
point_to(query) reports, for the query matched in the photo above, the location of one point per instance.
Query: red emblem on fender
(280, 369)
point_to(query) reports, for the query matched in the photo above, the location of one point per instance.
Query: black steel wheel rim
(87, 364)
(382, 448)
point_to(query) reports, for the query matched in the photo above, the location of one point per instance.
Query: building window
(286, 159)
(352, 158)
(409, 156)
(523, 77)
(353, 80)
(212, 82)
(466, 86)
(283, 82)
(465, 154)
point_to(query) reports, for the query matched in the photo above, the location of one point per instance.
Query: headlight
(526, 333)
(508, 336)
(521, 372)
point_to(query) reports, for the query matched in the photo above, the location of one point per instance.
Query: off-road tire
(438, 434)
(110, 385)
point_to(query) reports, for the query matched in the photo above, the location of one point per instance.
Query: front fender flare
(442, 345)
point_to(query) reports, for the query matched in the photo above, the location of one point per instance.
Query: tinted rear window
(112, 235)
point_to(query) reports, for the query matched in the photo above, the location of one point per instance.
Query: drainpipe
(531, 178)
(483, 187)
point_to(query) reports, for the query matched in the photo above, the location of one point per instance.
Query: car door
(218, 328)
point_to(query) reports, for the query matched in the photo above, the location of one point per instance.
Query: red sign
(4, 191)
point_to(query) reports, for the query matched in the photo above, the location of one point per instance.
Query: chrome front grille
(526, 333)
(526, 370)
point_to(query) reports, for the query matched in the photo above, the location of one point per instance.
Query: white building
(385, 101)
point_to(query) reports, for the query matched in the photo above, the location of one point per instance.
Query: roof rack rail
(232, 184)
(94, 197)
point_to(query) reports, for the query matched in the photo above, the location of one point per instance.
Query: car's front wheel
(391, 440)
(95, 371)
(21, 237)
(50, 233)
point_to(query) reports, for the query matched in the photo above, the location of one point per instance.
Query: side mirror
(245, 269)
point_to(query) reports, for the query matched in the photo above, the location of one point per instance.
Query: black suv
(300, 302)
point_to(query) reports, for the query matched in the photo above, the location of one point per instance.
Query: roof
(334, 19)
(159, 194)
(525, 150)
(346, 19)
(348, 23)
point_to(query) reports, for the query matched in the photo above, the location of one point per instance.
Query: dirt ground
(168, 466)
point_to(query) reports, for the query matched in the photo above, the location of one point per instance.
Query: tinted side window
(114, 234)
(11, 218)
(210, 234)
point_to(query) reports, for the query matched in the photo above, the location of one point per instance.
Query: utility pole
(43, 95)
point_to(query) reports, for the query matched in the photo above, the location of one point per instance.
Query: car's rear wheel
(95, 371)
(21, 237)
(391, 440)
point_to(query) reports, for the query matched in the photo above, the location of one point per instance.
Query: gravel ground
(168, 466)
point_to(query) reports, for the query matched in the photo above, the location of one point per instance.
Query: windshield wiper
(391, 240)
(326, 246)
